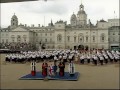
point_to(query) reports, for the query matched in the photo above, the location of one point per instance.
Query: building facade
(79, 33)
(114, 37)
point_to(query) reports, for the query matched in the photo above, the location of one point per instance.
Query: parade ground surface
(39, 76)
(91, 77)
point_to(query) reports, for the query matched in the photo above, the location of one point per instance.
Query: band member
(82, 59)
(55, 58)
(111, 57)
(106, 58)
(70, 58)
(95, 59)
(60, 57)
(33, 71)
(88, 58)
(101, 60)
(7, 58)
(116, 57)
(71, 68)
(61, 68)
(44, 68)
(64, 58)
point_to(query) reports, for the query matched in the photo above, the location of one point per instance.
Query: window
(18, 38)
(2, 40)
(93, 38)
(80, 38)
(45, 40)
(59, 38)
(68, 38)
(74, 38)
(102, 38)
(46, 34)
(86, 38)
(50, 34)
(113, 33)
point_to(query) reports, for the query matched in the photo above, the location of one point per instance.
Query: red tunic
(44, 69)
(61, 70)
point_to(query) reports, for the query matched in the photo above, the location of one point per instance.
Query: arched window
(68, 38)
(74, 38)
(80, 38)
(102, 37)
(59, 37)
(18, 38)
(86, 38)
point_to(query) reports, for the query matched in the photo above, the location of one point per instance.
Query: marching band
(96, 56)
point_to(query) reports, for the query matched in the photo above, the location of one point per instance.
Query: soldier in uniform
(44, 68)
(61, 68)
(88, 58)
(101, 59)
(95, 59)
(82, 59)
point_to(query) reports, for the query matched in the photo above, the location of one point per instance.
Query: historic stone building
(80, 32)
(114, 37)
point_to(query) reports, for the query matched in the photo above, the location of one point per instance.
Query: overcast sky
(33, 12)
